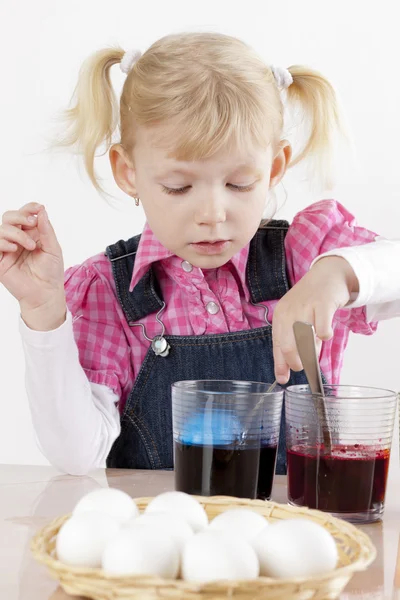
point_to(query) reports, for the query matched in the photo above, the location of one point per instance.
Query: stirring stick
(272, 387)
(306, 347)
(269, 390)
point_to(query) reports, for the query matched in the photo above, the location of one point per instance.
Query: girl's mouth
(211, 247)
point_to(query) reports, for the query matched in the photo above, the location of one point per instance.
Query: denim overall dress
(146, 440)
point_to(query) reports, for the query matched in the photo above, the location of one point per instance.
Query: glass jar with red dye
(345, 472)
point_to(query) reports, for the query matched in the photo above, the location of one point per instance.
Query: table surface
(31, 496)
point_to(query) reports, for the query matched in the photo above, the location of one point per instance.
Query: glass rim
(383, 393)
(184, 385)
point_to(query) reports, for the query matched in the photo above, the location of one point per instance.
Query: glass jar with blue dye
(218, 431)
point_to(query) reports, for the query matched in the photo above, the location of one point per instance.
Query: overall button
(186, 266)
(212, 308)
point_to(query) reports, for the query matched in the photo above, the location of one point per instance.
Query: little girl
(205, 292)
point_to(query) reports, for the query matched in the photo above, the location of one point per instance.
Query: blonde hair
(212, 88)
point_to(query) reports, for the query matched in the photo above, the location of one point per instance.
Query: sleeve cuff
(362, 270)
(46, 339)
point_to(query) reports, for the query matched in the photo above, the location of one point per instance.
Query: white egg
(216, 555)
(182, 504)
(142, 550)
(172, 524)
(110, 501)
(295, 548)
(241, 522)
(82, 539)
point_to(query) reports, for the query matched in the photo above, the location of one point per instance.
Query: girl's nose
(210, 211)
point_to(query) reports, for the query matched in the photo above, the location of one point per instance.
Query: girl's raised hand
(31, 266)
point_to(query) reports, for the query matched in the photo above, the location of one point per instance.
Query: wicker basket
(356, 552)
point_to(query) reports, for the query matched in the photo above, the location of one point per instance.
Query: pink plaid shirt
(111, 352)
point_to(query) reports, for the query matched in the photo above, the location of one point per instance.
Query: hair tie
(129, 59)
(283, 78)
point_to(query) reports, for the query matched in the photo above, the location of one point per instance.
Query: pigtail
(317, 99)
(94, 115)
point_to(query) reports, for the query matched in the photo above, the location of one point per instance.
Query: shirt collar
(150, 251)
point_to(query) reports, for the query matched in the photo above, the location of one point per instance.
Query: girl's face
(202, 211)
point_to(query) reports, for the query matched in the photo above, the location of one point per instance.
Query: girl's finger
(32, 208)
(281, 368)
(283, 338)
(14, 234)
(48, 239)
(17, 217)
(6, 246)
(282, 371)
(323, 317)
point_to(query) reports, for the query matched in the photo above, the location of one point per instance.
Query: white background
(42, 44)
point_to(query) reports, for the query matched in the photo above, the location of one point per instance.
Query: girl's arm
(377, 267)
(76, 422)
(340, 275)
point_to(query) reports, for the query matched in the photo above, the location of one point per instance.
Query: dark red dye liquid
(351, 479)
(266, 472)
(216, 470)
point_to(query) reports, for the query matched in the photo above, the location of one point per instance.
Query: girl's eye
(241, 188)
(176, 191)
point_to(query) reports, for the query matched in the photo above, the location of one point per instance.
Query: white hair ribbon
(129, 59)
(282, 76)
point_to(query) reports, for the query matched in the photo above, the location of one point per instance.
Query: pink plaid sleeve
(103, 348)
(319, 228)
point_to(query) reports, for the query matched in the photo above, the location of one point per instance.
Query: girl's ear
(123, 171)
(280, 163)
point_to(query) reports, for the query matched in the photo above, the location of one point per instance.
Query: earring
(137, 200)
